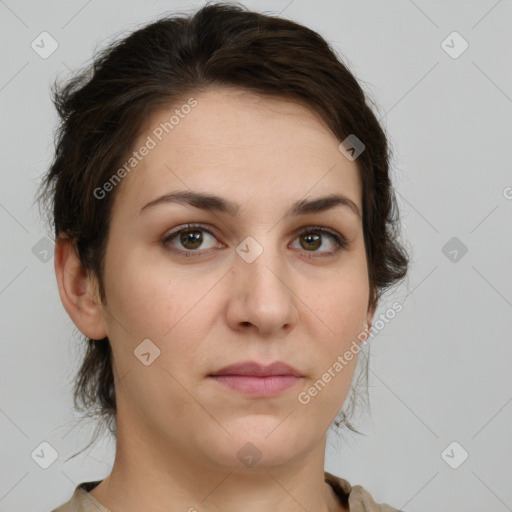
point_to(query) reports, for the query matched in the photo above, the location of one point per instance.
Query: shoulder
(360, 500)
(355, 498)
(82, 501)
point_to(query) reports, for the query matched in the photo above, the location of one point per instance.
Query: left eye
(311, 239)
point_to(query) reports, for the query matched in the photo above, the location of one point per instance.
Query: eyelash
(341, 242)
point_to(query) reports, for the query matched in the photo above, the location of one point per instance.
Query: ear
(78, 290)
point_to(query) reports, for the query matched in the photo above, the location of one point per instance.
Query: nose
(261, 296)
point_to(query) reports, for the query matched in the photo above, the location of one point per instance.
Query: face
(264, 283)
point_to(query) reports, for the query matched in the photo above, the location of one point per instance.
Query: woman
(225, 226)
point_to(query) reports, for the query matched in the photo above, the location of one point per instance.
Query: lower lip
(257, 386)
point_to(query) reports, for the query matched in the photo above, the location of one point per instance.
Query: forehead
(243, 146)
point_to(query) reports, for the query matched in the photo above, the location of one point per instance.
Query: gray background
(440, 370)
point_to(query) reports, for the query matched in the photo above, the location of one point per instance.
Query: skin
(178, 431)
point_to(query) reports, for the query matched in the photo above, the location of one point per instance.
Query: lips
(257, 380)
(254, 369)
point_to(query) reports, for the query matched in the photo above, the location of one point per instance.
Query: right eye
(189, 238)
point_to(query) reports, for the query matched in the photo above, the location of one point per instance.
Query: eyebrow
(211, 202)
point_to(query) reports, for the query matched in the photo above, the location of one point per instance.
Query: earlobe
(78, 290)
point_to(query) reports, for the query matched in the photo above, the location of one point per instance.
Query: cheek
(153, 299)
(339, 305)
(138, 295)
(145, 302)
(339, 312)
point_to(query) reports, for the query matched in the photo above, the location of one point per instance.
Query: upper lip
(259, 370)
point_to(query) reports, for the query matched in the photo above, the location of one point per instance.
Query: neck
(147, 475)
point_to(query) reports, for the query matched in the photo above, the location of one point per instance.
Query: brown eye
(194, 238)
(311, 241)
(314, 238)
(191, 240)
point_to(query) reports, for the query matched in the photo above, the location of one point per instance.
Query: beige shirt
(356, 498)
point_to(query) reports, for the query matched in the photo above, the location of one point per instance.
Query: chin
(257, 445)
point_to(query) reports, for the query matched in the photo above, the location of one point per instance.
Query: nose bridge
(257, 258)
(262, 283)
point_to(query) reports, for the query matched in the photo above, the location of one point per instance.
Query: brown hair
(104, 107)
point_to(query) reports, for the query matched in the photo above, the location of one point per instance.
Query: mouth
(255, 379)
